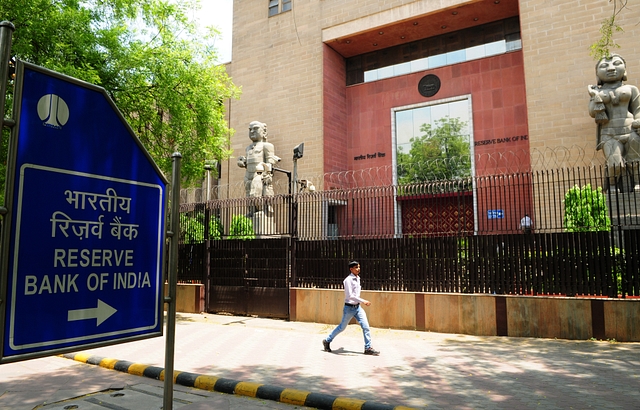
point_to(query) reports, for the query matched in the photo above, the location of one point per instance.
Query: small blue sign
(495, 214)
(87, 225)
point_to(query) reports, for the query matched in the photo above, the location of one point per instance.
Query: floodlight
(298, 151)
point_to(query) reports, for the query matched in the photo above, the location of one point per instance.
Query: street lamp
(207, 168)
(298, 152)
(216, 166)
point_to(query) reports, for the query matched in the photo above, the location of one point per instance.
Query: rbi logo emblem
(53, 111)
(429, 85)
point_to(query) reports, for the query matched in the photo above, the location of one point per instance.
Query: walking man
(352, 301)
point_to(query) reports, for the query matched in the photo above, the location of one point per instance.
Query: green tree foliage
(154, 63)
(585, 209)
(606, 43)
(442, 152)
(241, 228)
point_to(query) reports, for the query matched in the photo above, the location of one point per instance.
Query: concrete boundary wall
(480, 315)
(190, 298)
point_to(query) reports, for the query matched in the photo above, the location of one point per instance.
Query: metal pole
(208, 183)
(6, 33)
(294, 184)
(170, 300)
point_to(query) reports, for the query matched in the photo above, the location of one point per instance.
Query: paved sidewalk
(415, 369)
(56, 383)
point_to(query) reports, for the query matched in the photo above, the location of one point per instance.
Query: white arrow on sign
(101, 313)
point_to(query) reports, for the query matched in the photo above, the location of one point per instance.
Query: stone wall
(558, 68)
(481, 315)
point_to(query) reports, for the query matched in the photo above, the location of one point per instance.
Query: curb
(222, 385)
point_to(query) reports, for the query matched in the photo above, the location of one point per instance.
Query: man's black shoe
(371, 351)
(326, 346)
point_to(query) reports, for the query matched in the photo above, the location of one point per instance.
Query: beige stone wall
(556, 40)
(278, 63)
(558, 68)
(346, 17)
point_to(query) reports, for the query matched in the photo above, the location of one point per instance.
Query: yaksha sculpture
(259, 161)
(615, 106)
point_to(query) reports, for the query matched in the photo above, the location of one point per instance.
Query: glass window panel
(514, 45)
(286, 5)
(436, 46)
(493, 31)
(420, 65)
(495, 48)
(475, 52)
(370, 61)
(273, 7)
(473, 43)
(460, 110)
(404, 129)
(370, 76)
(421, 116)
(438, 61)
(454, 57)
(454, 41)
(385, 72)
(439, 111)
(512, 37)
(404, 147)
(512, 25)
(428, 164)
(401, 69)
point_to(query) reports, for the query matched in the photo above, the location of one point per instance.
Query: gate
(250, 277)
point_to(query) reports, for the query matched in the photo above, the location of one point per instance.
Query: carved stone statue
(258, 178)
(616, 109)
(259, 161)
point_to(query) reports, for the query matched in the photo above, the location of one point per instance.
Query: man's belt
(349, 304)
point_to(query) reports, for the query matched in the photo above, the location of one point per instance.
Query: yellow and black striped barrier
(222, 385)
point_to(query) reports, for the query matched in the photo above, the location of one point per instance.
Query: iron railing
(459, 236)
(487, 163)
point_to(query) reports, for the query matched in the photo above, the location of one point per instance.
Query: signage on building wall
(369, 156)
(429, 85)
(501, 140)
(495, 214)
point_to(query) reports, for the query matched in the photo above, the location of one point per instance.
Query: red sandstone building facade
(355, 81)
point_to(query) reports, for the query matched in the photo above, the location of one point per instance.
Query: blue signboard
(495, 214)
(87, 223)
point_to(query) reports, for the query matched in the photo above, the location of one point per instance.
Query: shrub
(585, 209)
(192, 228)
(241, 228)
(618, 267)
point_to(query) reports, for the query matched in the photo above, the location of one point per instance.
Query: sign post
(172, 280)
(84, 234)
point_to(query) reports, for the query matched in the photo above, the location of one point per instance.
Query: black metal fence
(459, 236)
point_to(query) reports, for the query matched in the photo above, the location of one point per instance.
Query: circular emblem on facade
(429, 85)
